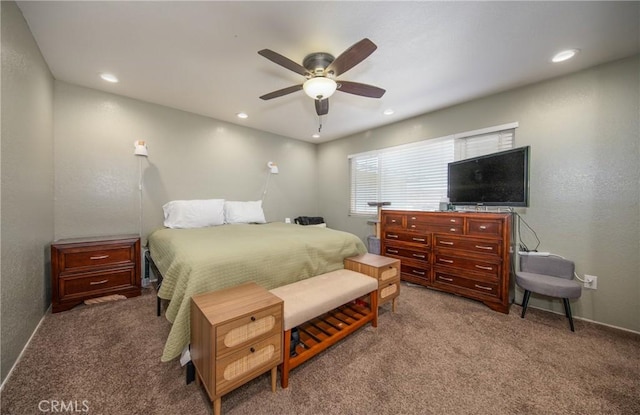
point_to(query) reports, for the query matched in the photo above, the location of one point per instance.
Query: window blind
(479, 145)
(414, 176)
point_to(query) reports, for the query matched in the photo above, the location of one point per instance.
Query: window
(414, 176)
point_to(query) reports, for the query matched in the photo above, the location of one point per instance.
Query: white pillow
(182, 214)
(243, 212)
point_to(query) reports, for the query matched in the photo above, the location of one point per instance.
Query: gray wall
(27, 184)
(190, 157)
(584, 134)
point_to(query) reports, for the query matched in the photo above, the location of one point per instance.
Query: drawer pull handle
(417, 272)
(413, 218)
(390, 235)
(252, 350)
(452, 220)
(452, 229)
(393, 251)
(419, 256)
(482, 227)
(448, 261)
(253, 318)
(98, 282)
(482, 287)
(413, 226)
(444, 278)
(489, 248)
(446, 243)
(94, 258)
(418, 239)
(487, 268)
(393, 221)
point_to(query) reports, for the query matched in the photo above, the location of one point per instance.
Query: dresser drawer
(480, 246)
(415, 238)
(397, 252)
(438, 220)
(415, 271)
(484, 227)
(446, 279)
(476, 265)
(96, 282)
(430, 227)
(89, 257)
(247, 362)
(241, 331)
(393, 221)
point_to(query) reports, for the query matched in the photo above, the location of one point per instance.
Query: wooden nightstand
(84, 268)
(386, 270)
(236, 335)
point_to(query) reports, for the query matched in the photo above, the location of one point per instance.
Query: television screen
(498, 179)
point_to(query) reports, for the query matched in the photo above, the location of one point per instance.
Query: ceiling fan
(321, 70)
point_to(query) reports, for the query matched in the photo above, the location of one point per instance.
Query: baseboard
(583, 319)
(4, 382)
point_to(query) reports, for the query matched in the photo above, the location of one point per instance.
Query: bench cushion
(311, 297)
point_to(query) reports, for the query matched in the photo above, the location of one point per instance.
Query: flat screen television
(498, 179)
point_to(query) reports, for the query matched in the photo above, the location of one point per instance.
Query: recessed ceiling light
(388, 111)
(316, 135)
(109, 77)
(564, 55)
(242, 115)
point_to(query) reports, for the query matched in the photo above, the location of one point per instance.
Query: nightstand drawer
(239, 332)
(89, 257)
(388, 291)
(87, 284)
(236, 368)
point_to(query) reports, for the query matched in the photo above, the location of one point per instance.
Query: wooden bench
(325, 309)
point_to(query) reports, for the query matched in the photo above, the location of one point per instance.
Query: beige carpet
(440, 354)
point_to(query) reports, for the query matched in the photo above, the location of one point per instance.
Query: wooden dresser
(85, 268)
(464, 253)
(236, 335)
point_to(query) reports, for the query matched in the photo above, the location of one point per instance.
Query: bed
(193, 261)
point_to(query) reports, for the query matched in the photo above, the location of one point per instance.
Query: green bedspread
(194, 261)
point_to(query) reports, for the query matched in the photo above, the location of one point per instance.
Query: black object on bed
(309, 220)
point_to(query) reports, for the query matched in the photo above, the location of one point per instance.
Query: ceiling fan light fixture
(319, 87)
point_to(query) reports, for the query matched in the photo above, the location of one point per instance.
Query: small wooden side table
(386, 270)
(85, 268)
(236, 335)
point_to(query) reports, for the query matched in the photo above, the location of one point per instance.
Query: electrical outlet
(590, 281)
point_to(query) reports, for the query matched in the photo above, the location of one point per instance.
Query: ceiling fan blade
(322, 106)
(281, 92)
(283, 61)
(351, 57)
(364, 90)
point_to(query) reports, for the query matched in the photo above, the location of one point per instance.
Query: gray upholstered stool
(551, 276)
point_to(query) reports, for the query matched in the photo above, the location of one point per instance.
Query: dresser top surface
(91, 239)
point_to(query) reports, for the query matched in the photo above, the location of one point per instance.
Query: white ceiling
(202, 57)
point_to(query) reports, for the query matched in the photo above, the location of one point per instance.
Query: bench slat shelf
(324, 331)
